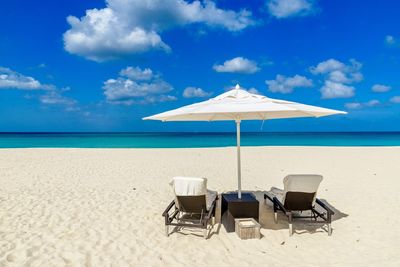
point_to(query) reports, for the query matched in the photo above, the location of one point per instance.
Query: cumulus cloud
(358, 105)
(327, 66)
(126, 27)
(353, 105)
(191, 92)
(338, 71)
(338, 77)
(372, 103)
(336, 90)
(137, 86)
(55, 97)
(10, 79)
(395, 99)
(380, 88)
(237, 65)
(137, 73)
(51, 95)
(290, 8)
(286, 85)
(253, 90)
(156, 99)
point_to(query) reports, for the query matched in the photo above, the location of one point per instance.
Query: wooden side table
(245, 207)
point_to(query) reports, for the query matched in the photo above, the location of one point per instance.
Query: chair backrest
(190, 193)
(192, 204)
(300, 191)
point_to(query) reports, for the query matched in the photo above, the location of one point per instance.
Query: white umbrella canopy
(238, 105)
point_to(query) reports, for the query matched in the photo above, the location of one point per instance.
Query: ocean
(185, 140)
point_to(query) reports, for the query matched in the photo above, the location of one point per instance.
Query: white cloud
(10, 79)
(238, 65)
(52, 95)
(191, 92)
(137, 73)
(131, 89)
(372, 103)
(156, 99)
(253, 90)
(286, 85)
(126, 27)
(55, 97)
(380, 88)
(122, 90)
(358, 105)
(336, 90)
(390, 40)
(99, 36)
(353, 105)
(338, 77)
(338, 71)
(395, 99)
(327, 66)
(290, 8)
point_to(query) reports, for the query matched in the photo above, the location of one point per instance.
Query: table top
(233, 197)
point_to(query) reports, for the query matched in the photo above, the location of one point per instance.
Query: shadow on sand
(266, 219)
(266, 216)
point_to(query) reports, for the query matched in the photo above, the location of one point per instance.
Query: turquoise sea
(181, 140)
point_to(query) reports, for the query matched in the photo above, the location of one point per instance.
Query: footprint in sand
(17, 256)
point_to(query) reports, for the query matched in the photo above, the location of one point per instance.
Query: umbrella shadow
(266, 218)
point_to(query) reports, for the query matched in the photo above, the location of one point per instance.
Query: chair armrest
(165, 213)
(209, 214)
(269, 196)
(279, 204)
(275, 201)
(324, 206)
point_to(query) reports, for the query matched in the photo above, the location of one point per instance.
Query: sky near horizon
(102, 65)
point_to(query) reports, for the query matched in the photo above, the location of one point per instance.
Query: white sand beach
(102, 207)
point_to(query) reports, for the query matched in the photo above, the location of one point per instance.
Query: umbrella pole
(239, 173)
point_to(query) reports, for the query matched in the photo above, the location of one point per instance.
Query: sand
(102, 207)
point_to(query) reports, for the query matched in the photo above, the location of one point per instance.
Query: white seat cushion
(193, 186)
(307, 183)
(189, 186)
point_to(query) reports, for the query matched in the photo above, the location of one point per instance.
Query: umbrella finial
(237, 87)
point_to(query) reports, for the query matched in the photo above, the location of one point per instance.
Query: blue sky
(103, 65)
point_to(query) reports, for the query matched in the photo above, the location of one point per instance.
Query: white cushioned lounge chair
(193, 206)
(298, 196)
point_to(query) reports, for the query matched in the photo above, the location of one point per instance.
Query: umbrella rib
(262, 117)
(212, 117)
(300, 110)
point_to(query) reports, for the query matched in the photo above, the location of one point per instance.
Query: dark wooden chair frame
(192, 213)
(300, 201)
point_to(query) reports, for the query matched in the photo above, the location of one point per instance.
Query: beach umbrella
(239, 105)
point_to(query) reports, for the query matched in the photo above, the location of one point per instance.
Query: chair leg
(290, 224)
(329, 229)
(166, 230)
(275, 213)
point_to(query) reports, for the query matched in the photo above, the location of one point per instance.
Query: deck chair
(299, 197)
(193, 206)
